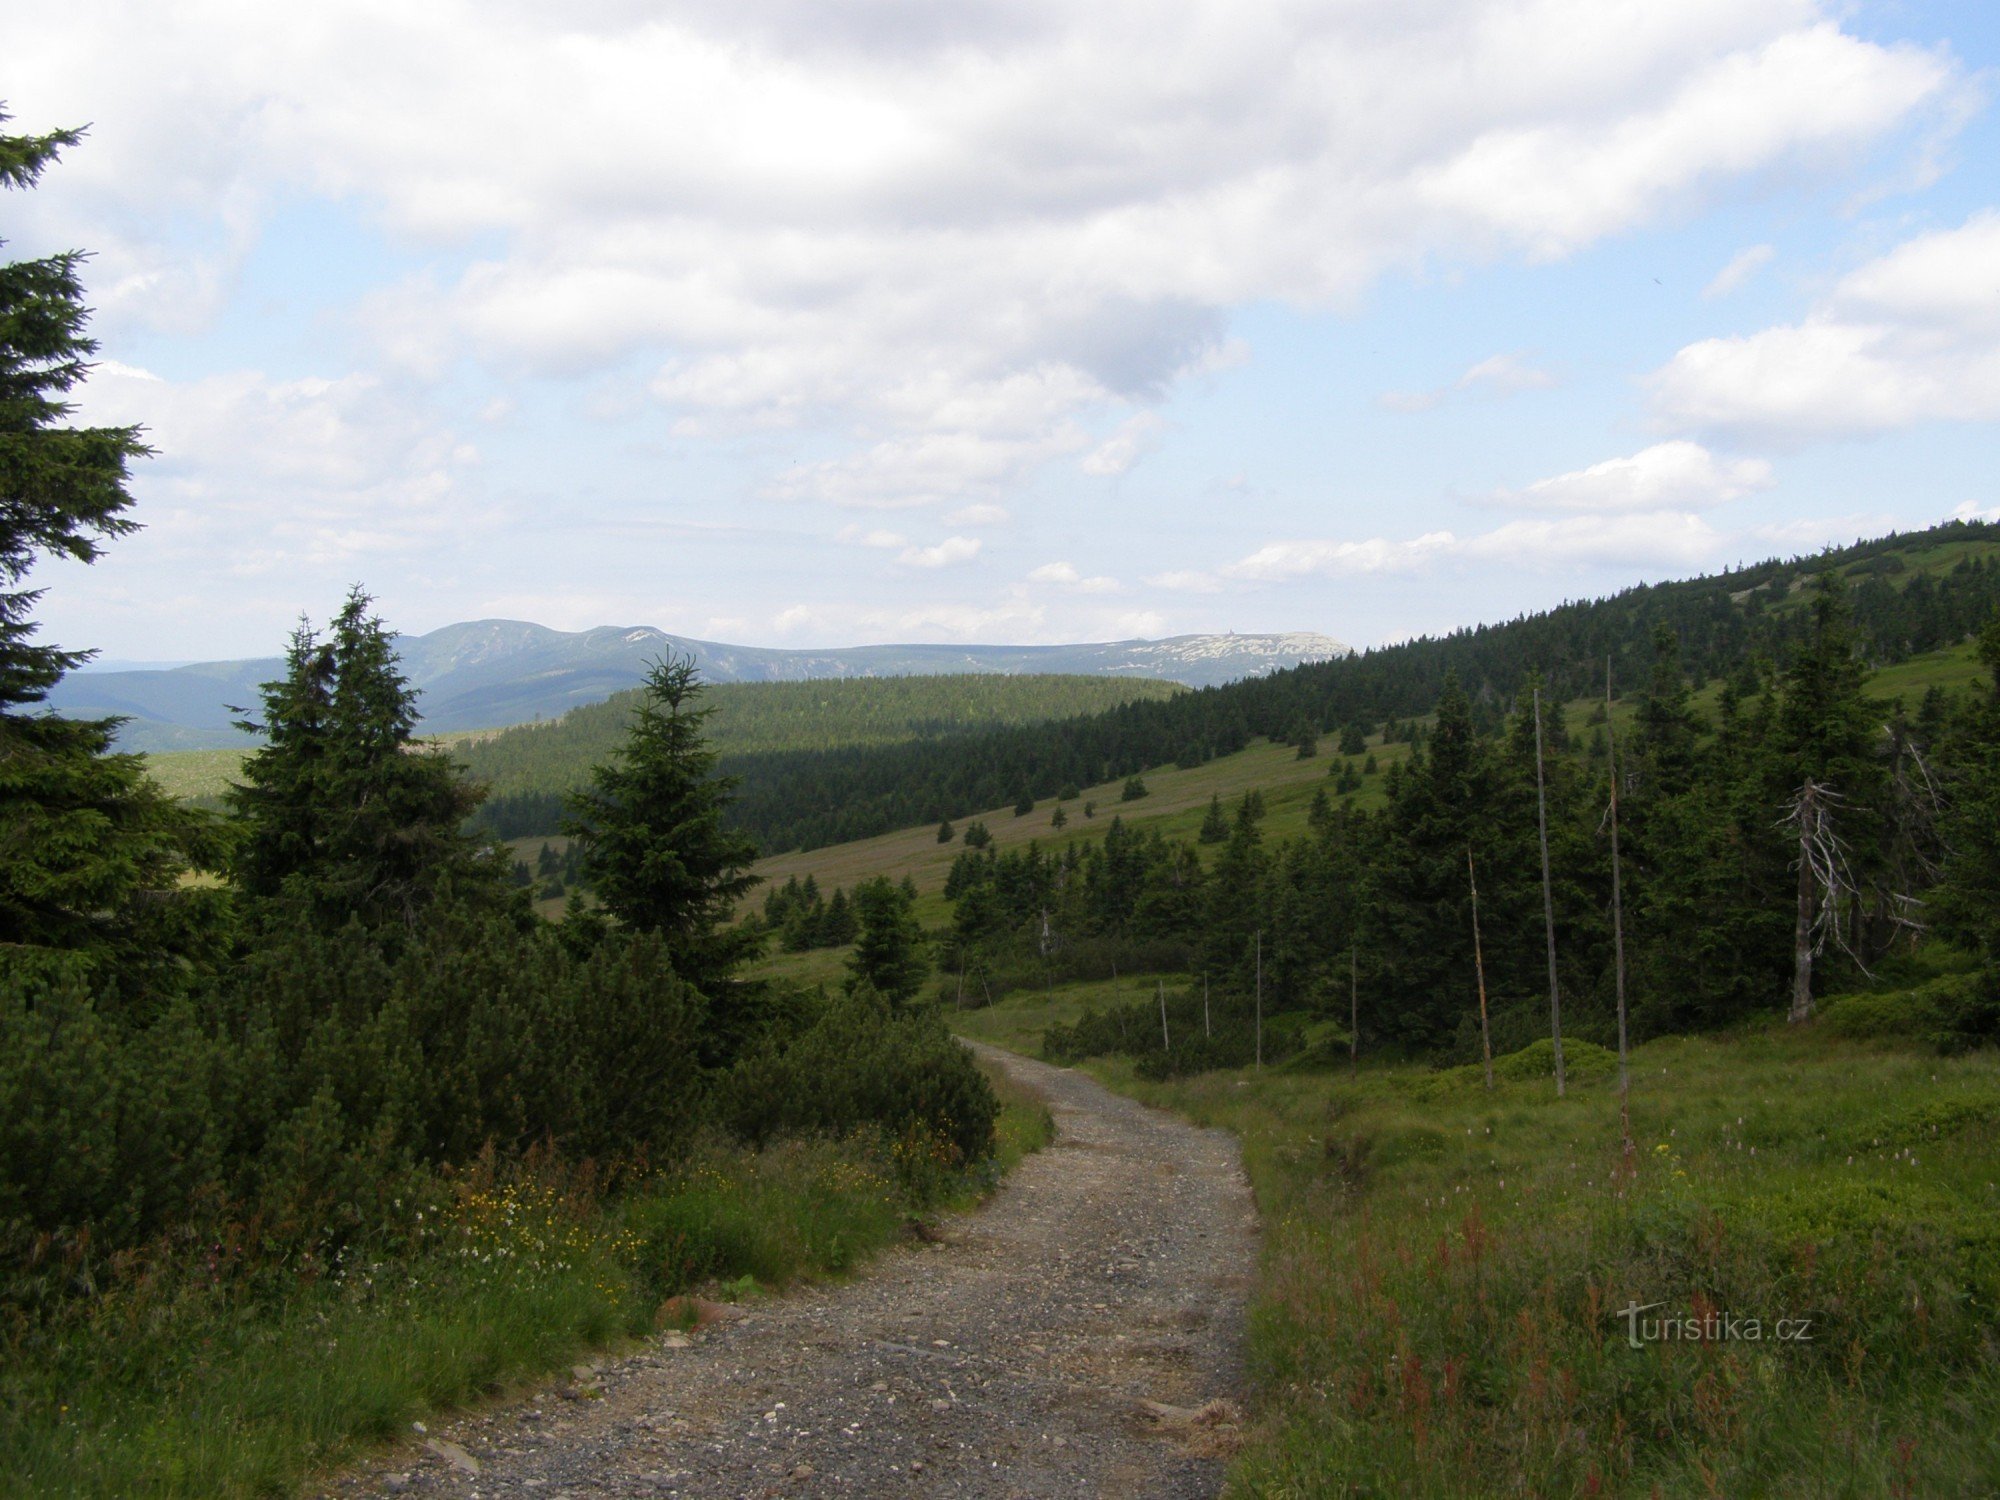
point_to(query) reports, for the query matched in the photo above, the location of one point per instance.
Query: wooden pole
(1165, 1040)
(1353, 1008)
(1204, 1004)
(1618, 925)
(1479, 968)
(1260, 997)
(1548, 897)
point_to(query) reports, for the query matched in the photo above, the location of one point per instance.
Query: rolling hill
(488, 674)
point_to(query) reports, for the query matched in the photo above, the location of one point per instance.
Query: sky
(781, 323)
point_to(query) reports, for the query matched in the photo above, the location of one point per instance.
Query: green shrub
(864, 1063)
(1951, 1013)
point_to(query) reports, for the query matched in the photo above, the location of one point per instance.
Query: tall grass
(1445, 1269)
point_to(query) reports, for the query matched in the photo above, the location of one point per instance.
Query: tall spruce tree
(345, 816)
(91, 852)
(889, 952)
(1423, 913)
(655, 848)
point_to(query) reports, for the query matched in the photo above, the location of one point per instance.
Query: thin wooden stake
(1479, 968)
(1204, 1004)
(1260, 997)
(1165, 1040)
(1353, 1008)
(1618, 926)
(1548, 898)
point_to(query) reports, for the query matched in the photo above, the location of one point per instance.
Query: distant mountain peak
(486, 674)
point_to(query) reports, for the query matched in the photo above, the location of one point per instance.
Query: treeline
(365, 1001)
(1798, 839)
(759, 718)
(1900, 606)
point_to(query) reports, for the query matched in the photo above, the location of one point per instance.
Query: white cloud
(1647, 537)
(1497, 376)
(1140, 624)
(950, 551)
(1122, 449)
(1910, 337)
(1186, 581)
(1972, 510)
(1504, 375)
(1065, 575)
(1742, 266)
(954, 238)
(1278, 561)
(979, 515)
(856, 536)
(1677, 475)
(287, 473)
(1554, 185)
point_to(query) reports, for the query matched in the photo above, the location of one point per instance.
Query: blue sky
(790, 324)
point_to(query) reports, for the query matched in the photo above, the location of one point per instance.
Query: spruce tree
(888, 954)
(1215, 826)
(91, 852)
(655, 847)
(344, 815)
(1966, 904)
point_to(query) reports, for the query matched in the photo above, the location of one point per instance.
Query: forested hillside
(750, 718)
(1908, 594)
(1795, 829)
(764, 718)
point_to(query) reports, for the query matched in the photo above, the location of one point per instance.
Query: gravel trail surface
(1080, 1335)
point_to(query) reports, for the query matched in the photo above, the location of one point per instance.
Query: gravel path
(1078, 1336)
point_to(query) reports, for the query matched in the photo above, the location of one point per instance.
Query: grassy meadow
(1444, 1267)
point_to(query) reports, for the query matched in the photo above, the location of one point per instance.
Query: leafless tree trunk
(1618, 924)
(1802, 943)
(1205, 1031)
(1548, 899)
(1165, 1040)
(1479, 967)
(1823, 882)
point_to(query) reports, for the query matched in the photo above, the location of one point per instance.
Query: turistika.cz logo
(1709, 1328)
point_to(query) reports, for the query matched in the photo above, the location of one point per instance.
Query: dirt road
(1013, 1358)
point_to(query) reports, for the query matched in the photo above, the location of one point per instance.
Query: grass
(1175, 804)
(1438, 1308)
(189, 774)
(1954, 669)
(181, 1385)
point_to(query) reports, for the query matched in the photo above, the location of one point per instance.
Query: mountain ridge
(488, 674)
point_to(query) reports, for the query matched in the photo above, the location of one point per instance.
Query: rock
(1212, 1430)
(454, 1455)
(694, 1312)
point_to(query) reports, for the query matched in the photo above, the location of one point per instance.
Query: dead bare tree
(1479, 967)
(1916, 843)
(1825, 885)
(1548, 899)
